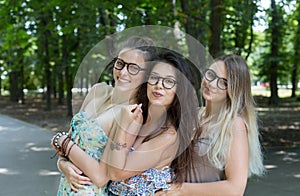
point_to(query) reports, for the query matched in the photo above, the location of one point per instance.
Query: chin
(157, 104)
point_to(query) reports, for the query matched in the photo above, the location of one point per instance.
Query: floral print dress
(89, 136)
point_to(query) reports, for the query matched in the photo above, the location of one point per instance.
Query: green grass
(265, 92)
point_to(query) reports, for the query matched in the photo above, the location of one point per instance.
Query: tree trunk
(296, 58)
(45, 37)
(21, 86)
(13, 86)
(68, 77)
(60, 84)
(215, 47)
(249, 50)
(59, 73)
(274, 54)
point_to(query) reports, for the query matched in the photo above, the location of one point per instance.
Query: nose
(212, 83)
(159, 83)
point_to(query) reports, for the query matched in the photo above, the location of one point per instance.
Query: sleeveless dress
(203, 171)
(91, 138)
(147, 183)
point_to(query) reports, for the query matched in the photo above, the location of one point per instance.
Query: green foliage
(39, 36)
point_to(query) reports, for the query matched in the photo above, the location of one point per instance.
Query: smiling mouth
(123, 80)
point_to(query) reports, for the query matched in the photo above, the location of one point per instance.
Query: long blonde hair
(239, 103)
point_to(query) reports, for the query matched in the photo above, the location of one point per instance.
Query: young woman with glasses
(226, 148)
(102, 97)
(168, 110)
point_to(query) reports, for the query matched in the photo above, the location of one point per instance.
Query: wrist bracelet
(56, 138)
(68, 153)
(64, 145)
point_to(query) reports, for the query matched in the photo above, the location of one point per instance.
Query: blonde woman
(227, 149)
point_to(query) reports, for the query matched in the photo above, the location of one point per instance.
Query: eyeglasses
(210, 76)
(132, 68)
(167, 83)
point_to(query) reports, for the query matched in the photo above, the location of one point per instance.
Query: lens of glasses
(167, 83)
(119, 64)
(210, 76)
(222, 84)
(132, 68)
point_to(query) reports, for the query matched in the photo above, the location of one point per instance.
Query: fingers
(138, 109)
(76, 169)
(83, 180)
(73, 188)
(77, 179)
(137, 113)
(79, 182)
(76, 186)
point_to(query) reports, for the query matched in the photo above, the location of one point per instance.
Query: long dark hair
(183, 111)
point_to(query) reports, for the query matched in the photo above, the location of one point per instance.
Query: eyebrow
(168, 76)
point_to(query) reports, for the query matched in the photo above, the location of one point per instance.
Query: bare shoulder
(238, 125)
(101, 87)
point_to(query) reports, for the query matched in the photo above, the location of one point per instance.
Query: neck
(212, 109)
(157, 117)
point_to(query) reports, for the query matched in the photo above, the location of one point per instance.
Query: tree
(216, 24)
(296, 58)
(276, 30)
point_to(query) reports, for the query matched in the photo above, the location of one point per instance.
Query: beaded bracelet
(56, 138)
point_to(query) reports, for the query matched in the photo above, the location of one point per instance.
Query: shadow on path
(283, 174)
(25, 164)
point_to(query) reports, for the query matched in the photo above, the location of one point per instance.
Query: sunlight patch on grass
(263, 91)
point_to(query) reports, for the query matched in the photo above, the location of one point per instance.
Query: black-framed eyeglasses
(210, 76)
(167, 83)
(132, 68)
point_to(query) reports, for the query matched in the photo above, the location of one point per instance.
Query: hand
(73, 175)
(131, 118)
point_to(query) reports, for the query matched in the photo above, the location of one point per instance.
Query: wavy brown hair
(182, 113)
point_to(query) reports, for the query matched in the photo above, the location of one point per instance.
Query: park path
(26, 167)
(25, 164)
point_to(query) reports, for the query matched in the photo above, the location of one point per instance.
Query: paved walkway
(283, 174)
(26, 167)
(25, 164)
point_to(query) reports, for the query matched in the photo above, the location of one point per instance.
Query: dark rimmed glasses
(210, 76)
(167, 83)
(132, 68)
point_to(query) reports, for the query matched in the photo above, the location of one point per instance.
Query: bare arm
(236, 170)
(155, 153)
(90, 167)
